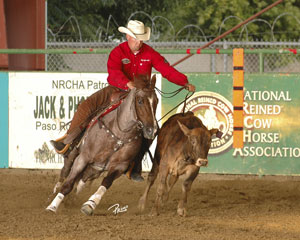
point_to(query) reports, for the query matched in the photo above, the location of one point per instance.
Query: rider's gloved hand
(190, 87)
(130, 85)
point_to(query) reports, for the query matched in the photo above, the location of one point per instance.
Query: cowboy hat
(137, 30)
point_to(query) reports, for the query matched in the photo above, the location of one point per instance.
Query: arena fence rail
(284, 60)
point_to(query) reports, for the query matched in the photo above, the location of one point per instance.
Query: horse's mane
(142, 81)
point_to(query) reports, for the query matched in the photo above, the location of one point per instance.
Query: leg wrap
(96, 197)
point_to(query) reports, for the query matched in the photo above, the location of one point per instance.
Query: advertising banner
(40, 107)
(271, 122)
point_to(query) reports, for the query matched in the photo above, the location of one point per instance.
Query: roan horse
(113, 142)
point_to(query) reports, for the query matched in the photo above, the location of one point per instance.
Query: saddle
(115, 100)
(72, 139)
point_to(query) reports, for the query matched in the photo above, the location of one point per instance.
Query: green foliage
(99, 19)
(209, 15)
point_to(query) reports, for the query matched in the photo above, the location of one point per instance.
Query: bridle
(139, 124)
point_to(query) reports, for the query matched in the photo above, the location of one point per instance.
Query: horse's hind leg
(67, 187)
(89, 206)
(89, 174)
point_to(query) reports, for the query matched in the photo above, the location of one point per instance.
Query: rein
(174, 92)
(188, 95)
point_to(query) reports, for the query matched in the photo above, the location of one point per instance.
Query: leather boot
(59, 146)
(137, 177)
(135, 169)
(134, 173)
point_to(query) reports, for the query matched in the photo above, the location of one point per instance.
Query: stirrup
(63, 151)
(59, 151)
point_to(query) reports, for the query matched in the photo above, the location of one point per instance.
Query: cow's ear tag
(219, 134)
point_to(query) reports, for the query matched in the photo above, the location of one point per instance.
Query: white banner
(40, 106)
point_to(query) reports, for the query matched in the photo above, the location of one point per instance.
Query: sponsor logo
(215, 111)
(46, 156)
(145, 60)
(125, 61)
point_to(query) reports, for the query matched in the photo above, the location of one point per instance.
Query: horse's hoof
(51, 209)
(87, 209)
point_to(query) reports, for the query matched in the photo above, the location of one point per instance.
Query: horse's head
(139, 107)
(145, 105)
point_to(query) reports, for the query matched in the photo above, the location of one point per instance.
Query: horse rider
(129, 59)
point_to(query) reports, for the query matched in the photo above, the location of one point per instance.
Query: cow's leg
(163, 174)
(170, 184)
(89, 206)
(150, 180)
(68, 162)
(190, 176)
(67, 187)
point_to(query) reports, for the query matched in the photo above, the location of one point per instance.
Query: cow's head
(198, 144)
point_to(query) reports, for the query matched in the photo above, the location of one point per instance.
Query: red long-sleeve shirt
(123, 65)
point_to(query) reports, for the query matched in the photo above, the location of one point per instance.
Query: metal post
(238, 98)
(261, 62)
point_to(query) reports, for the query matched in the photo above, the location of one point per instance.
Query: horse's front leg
(89, 206)
(67, 187)
(68, 162)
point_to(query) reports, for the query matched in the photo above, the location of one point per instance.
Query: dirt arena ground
(219, 207)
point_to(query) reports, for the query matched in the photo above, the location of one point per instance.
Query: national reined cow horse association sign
(215, 111)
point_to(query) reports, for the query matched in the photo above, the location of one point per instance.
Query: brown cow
(182, 147)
